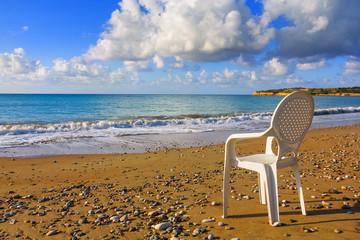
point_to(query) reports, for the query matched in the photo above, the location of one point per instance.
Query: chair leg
(226, 183)
(299, 187)
(272, 195)
(262, 191)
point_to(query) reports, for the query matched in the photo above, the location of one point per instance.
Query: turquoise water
(50, 124)
(51, 109)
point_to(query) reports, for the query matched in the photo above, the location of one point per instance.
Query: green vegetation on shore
(313, 91)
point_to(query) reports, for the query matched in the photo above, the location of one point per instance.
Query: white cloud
(319, 23)
(15, 67)
(311, 65)
(80, 70)
(189, 77)
(275, 68)
(226, 77)
(189, 29)
(294, 79)
(137, 66)
(158, 61)
(25, 28)
(352, 66)
(177, 63)
(250, 76)
(19, 51)
(120, 75)
(204, 77)
(244, 60)
(16, 70)
(326, 28)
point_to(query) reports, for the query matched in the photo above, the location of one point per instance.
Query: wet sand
(124, 196)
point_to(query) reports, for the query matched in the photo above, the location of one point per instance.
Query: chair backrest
(292, 118)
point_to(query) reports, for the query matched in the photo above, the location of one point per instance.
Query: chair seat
(258, 158)
(264, 159)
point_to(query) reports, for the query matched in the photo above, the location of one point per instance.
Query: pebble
(124, 218)
(82, 221)
(13, 221)
(163, 226)
(246, 197)
(210, 237)
(196, 232)
(337, 231)
(221, 224)
(115, 218)
(207, 220)
(51, 233)
(153, 214)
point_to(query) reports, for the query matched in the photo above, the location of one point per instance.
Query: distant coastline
(352, 91)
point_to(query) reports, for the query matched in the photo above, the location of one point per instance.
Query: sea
(34, 125)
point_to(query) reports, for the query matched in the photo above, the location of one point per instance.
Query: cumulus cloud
(188, 29)
(16, 69)
(326, 28)
(158, 61)
(204, 77)
(251, 76)
(189, 77)
(294, 79)
(14, 66)
(19, 51)
(226, 77)
(244, 60)
(25, 28)
(311, 65)
(275, 68)
(78, 69)
(137, 66)
(178, 63)
(120, 75)
(352, 66)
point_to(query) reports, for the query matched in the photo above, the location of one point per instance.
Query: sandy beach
(124, 196)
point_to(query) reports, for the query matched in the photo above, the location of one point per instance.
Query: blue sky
(156, 46)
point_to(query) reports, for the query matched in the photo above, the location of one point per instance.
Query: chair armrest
(230, 142)
(240, 136)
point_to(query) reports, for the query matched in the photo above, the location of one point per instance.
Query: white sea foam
(141, 125)
(114, 132)
(151, 126)
(336, 110)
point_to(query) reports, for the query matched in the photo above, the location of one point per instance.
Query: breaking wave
(186, 123)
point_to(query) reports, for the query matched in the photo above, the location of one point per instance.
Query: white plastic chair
(290, 122)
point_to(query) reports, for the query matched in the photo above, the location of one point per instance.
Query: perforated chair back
(292, 118)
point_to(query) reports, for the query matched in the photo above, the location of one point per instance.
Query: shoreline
(152, 142)
(86, 195)
(285, 94)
